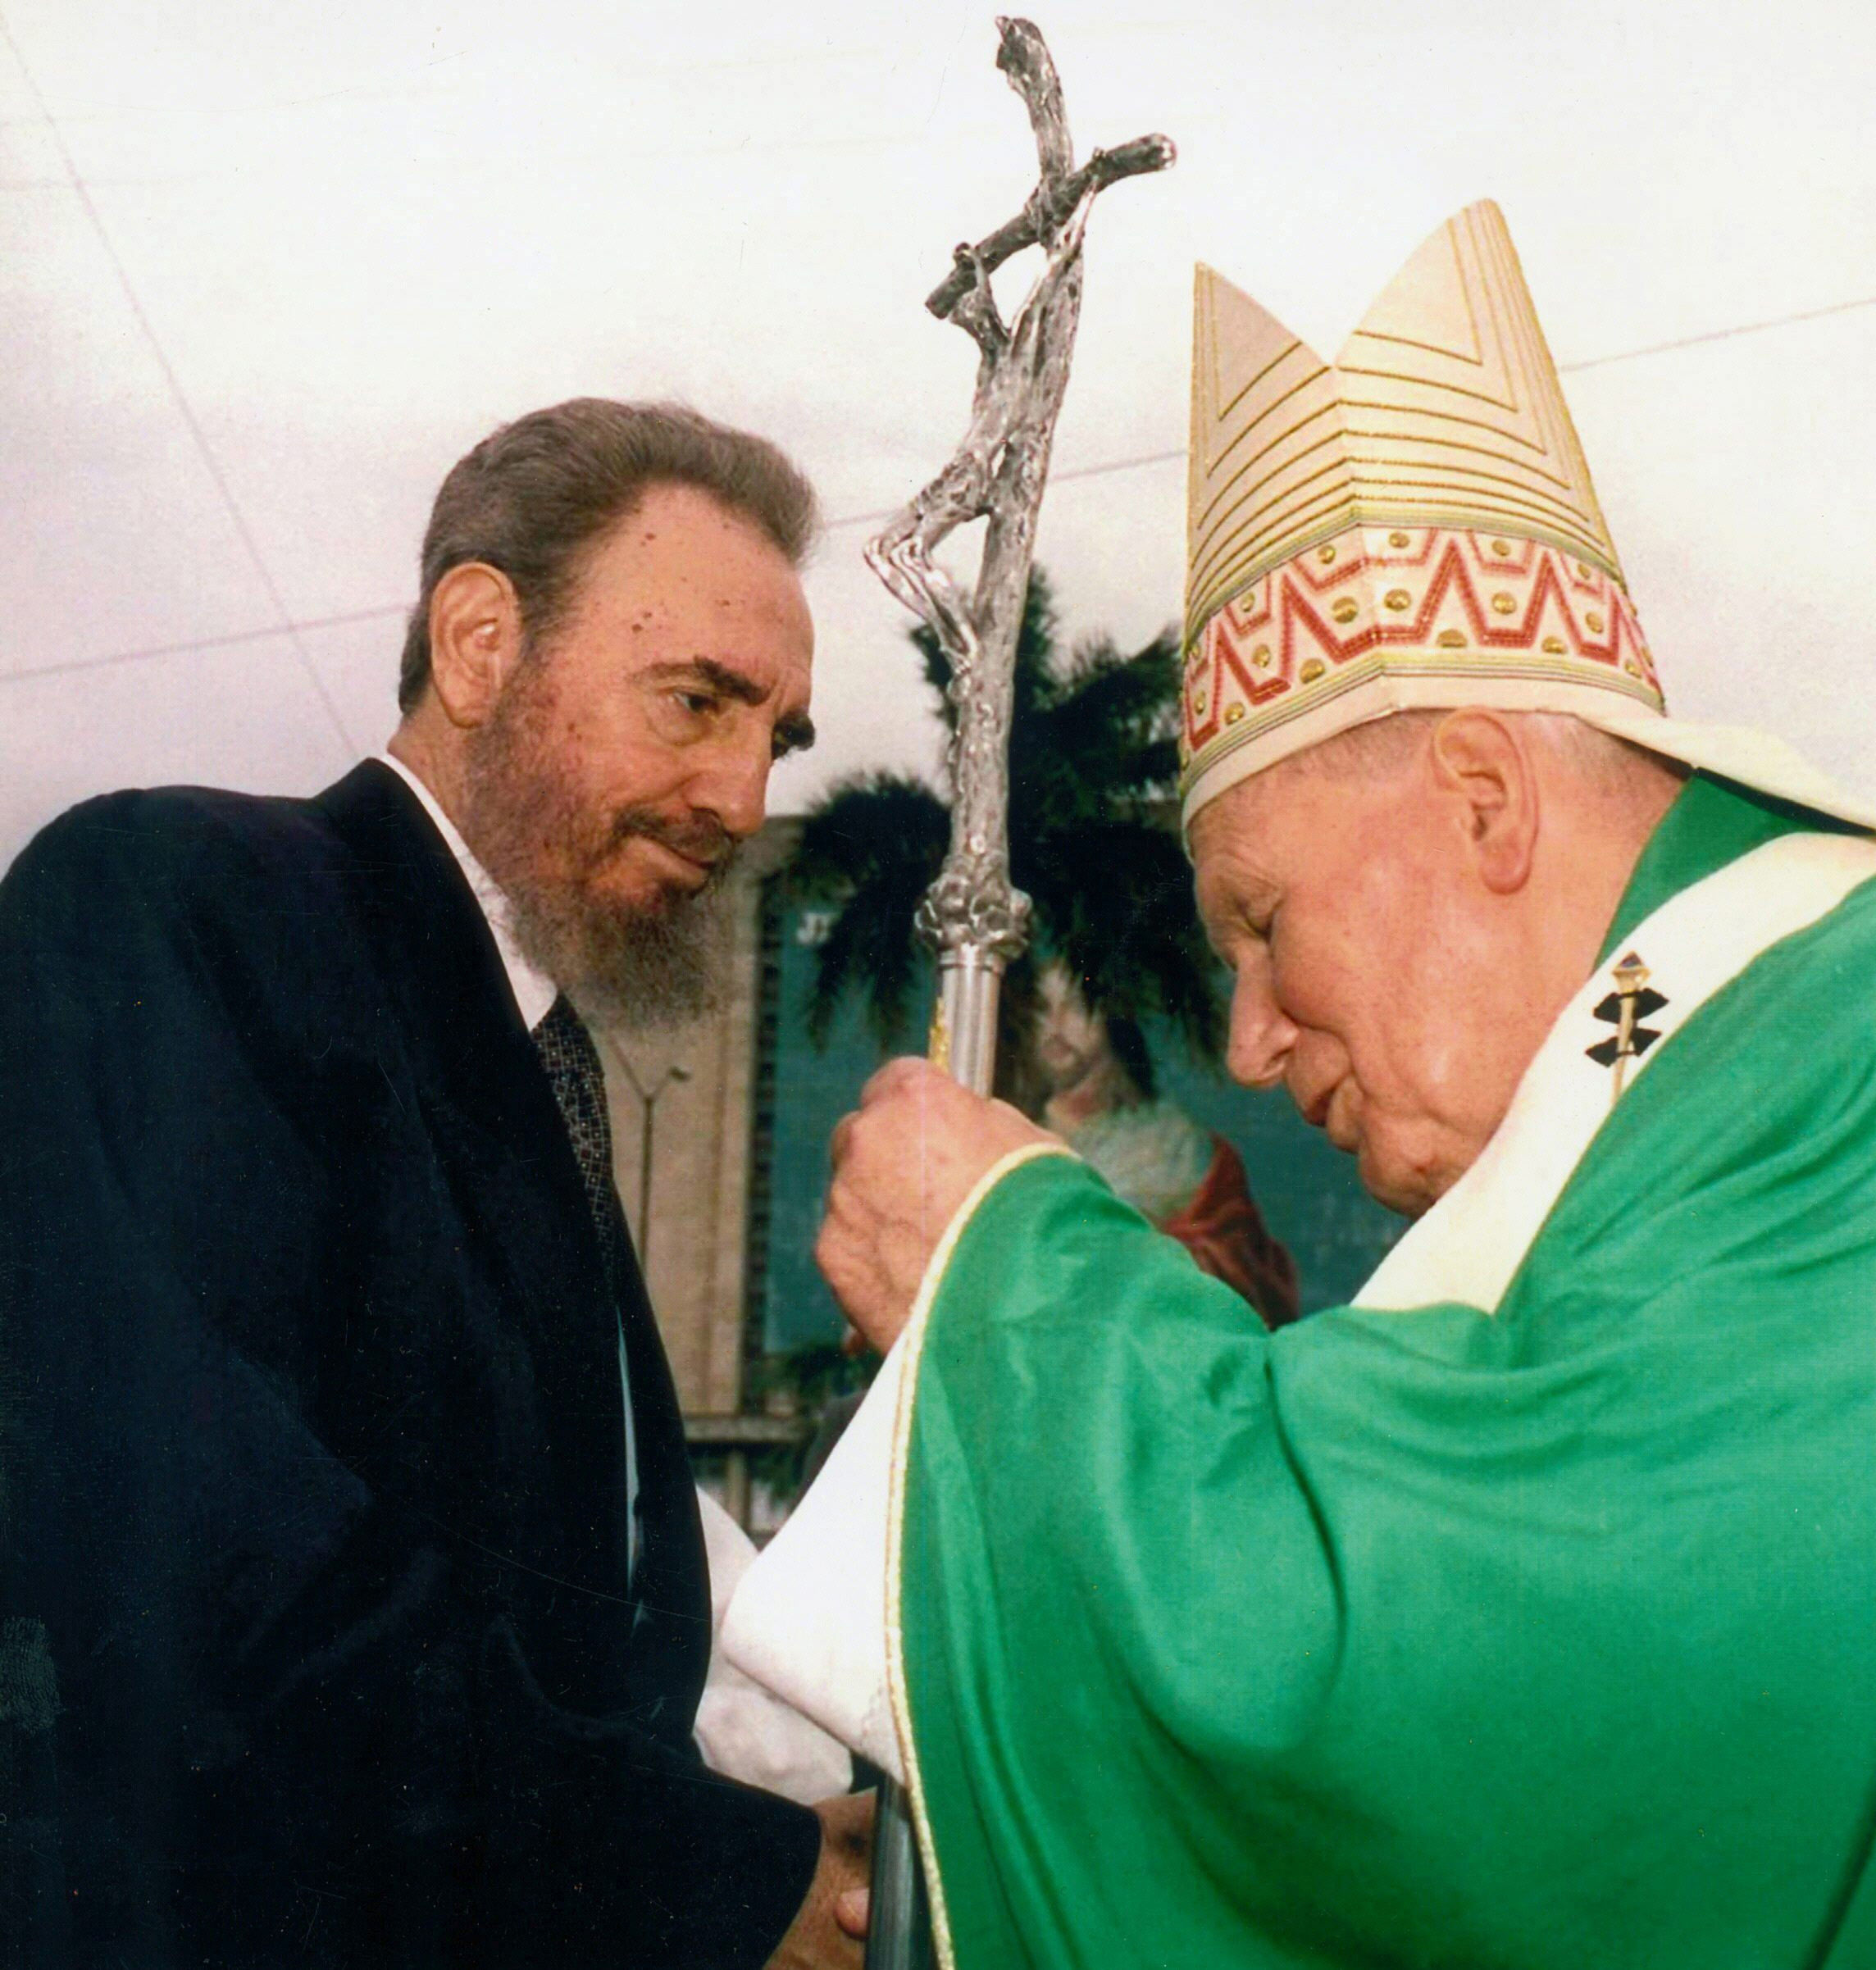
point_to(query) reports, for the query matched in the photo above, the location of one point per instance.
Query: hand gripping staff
(972, 916)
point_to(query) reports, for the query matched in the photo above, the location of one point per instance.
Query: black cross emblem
(1624, 1009)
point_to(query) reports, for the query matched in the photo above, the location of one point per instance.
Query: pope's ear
(475, 640)
(1482, 762)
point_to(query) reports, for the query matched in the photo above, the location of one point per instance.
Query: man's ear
(1483, 761)
(475, 640)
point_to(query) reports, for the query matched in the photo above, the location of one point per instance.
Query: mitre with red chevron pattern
(1412, 525)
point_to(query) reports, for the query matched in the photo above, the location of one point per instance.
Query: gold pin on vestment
(1625, 1008)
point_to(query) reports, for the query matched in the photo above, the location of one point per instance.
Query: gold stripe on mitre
(1413, 524)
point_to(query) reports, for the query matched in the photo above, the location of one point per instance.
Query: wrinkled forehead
(1254, 807)
(1297, 825)
(1234, 845)
(680, 549)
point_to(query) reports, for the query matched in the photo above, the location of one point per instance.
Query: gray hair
(533, 496)
(1607, 764)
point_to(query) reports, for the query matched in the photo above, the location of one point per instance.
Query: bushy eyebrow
(793, 733)
(1259, 903)
(1253, 909)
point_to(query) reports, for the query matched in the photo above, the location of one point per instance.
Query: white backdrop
(266, 271)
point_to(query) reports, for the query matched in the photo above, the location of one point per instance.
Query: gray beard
(638, 970)
(632, 971)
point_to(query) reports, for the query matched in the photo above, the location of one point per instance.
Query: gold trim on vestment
(913, 1340)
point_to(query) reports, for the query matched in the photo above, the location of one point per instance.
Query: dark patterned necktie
(579, 1083)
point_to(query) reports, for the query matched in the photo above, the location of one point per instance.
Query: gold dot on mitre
(1555, 646)
(1312, 670)
(1501, 547)
(1593, 621)
(1260, 657)
(1233, 712)
(1397, 538)
(1325, 555)
(1397, 600)
(1451, 639)
(1503, 604)
(1346, 610)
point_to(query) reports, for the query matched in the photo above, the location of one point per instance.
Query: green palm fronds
(1094, 762)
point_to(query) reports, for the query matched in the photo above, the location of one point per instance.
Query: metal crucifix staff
(973, 916)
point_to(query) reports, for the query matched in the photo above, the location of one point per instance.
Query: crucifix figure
(972, 917)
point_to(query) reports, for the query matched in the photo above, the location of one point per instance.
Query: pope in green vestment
(1545, 1637)
(1521, 1614)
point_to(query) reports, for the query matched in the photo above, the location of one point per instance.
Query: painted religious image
(1110, 1028)
(1102, 1099)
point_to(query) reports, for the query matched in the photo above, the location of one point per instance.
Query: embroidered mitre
(1411, 524)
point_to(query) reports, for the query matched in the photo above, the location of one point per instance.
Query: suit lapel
(493, 1114)
(671, 1641)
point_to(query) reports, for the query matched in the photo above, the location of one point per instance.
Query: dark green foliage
(1094, 762)
(873, 845)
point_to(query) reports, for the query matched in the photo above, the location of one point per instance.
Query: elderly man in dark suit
(352, 1604)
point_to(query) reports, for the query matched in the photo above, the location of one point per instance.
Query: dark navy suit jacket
(313, 1592)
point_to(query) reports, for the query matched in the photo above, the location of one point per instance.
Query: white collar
(535, 992)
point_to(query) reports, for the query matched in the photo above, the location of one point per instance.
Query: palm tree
(1093, 760)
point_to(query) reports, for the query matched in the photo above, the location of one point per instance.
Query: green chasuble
(1544, 1639)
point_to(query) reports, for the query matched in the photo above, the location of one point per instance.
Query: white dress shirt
(535, 992)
